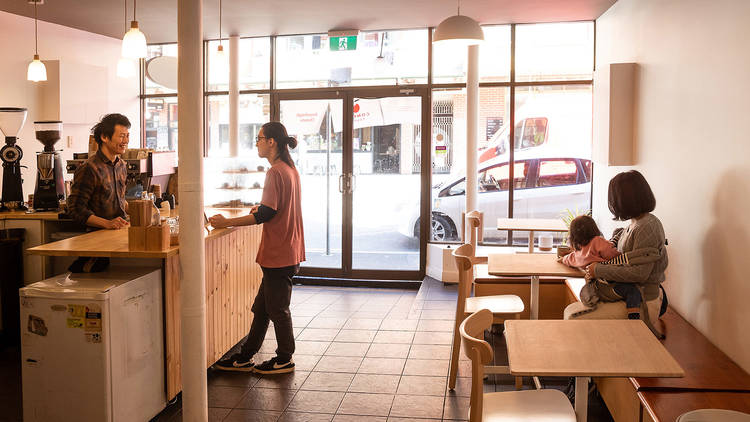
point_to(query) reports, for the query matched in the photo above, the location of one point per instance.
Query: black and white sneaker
(275, 366)
(236, 362)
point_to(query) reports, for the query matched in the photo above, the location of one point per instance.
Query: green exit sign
(343, 43)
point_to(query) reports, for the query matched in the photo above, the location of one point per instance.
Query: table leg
(582, 398)
(531, 241)
(534, 311)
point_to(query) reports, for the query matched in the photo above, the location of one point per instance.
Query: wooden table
(530, 265)
(531, 225)
(585, 348)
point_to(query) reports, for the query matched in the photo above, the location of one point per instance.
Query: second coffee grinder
(50, 185)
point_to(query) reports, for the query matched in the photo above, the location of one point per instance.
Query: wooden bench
(667, 406)
(707, 368)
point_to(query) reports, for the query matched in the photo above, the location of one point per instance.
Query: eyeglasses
(258, 138)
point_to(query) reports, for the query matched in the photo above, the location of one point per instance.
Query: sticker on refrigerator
(93, 318)
(93, 337)
(75, 323)
(76, 311)
(36, 325)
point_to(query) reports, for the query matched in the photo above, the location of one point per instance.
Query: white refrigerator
(92, 347)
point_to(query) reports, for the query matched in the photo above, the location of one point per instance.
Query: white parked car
(544, 187)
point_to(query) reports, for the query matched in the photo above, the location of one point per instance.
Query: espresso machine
(11, 122)
(50, 185)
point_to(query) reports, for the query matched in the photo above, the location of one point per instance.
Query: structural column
(472, 123)
(234, 95)
(192, 246)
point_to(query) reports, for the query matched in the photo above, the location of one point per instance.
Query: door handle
(352, 182)
(341, 183)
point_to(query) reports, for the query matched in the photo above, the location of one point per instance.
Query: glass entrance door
(318, 126)
(360, 162)
(386, 145)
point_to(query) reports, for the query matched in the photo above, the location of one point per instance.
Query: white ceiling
(158, 18)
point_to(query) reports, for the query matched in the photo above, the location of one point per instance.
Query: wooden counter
(232, 281)
(23, 215)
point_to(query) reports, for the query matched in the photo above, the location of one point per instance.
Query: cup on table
(545, 242)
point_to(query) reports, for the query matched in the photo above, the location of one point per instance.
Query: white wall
(692, 123)
(69, 46)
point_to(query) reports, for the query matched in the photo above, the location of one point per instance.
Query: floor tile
(394, 337)
(227, 397)
(357, 418)
(338, 364)
(355, 336)
(456, 408)
(266, 399)
(290, 381)
(305, 362)
(305, 417)
(433, 337)
(374, 383)
(366, 404)
(438, 314)
(318, 334)
(417, 407)
(362, 324)
(324, 322)
(429, 367)
(347, 349)
(398, 325)
(217, 414)
(388, 350)
(299, 321)
(303, 347)
(328, 381)
(316, 401)
(232, 379)
(411, 420)
(421, 386)
(244, 415)
(393, 366)
(435, 325)
(429, 351)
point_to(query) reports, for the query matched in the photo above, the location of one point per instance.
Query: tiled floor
(362, 355)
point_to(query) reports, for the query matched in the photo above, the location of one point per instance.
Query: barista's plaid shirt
(98, 189)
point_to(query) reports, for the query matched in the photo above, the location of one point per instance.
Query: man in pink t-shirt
(282, 248)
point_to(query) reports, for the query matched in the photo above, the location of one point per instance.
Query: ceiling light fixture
(459, 29)
(126, 67)
(36, 71)
(220, 50)
(134, 42)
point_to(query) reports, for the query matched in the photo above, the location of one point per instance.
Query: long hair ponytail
(284, 142)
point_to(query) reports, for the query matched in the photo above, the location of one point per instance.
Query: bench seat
(667, 406)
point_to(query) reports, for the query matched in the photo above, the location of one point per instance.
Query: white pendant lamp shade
(36, 72)
(126, 68)
(134, 43)
(459, 29)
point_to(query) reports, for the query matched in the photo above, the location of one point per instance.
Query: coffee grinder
(50, 185)
(11, 122)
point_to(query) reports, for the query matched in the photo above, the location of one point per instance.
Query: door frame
(347, 94)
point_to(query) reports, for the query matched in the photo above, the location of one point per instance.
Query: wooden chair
(502, 307)
(476, 230)
(517, 406)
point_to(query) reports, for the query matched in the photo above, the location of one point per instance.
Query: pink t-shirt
(598, 249)
(282, 243)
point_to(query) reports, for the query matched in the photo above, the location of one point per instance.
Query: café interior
(443, 149)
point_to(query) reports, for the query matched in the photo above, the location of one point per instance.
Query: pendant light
(126, 67)
(459, 29)
(220, 54)
(36, 72)
(134, 42)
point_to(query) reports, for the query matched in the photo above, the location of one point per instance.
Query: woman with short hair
(630, 198)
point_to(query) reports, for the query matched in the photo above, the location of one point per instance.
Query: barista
(97, 197)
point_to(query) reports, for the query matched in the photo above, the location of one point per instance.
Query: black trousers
(272, 304)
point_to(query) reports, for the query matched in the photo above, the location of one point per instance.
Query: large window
(534, 134)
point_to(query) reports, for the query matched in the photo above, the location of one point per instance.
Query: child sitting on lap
(589, 246)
